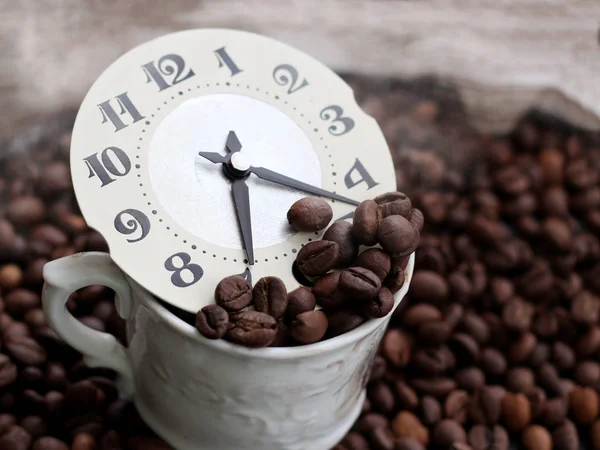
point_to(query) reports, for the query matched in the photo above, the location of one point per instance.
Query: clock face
(244, 101)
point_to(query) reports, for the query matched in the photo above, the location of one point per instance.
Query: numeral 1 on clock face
(224, 59)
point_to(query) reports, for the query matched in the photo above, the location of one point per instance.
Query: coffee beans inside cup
(348, 287)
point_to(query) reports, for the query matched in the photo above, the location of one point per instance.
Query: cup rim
(275, 353)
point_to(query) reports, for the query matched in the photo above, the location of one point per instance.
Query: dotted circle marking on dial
(155, 212)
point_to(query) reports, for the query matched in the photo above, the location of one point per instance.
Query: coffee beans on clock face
(355, 269)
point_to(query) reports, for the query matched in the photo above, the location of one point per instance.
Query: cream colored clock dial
(167, 212)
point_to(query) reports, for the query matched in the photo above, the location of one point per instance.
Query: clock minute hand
(278, 178)
(241, 200)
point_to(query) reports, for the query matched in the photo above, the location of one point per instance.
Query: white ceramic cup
(200, 394)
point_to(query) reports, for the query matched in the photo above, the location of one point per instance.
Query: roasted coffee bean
(416, 219)
(343, 320)
(380, 305)
(476, 327)
(408, 443)
(419, 314)
(585, 308)
(555, 411)
(565, 437)
(407, 425)
(355, 441)
(464, 348)
(383, 439)
(318, 257)
(340, 232)
(394, 203)
(310, 214)
(520, 379)
(437, 387)
(25, 350)
(15, 439)
(395, 279)
(485, 406)
(495, 437)
(309, 327)
(26, 211)
(583, 404)
(19, 301)
(431, 361)
(253, 329)
(456, 406)
(212, 322)
(407, 397)
(516, 315)
(359, 283)
(516, 411)
(300, 300)
(434, 333)
(326, 291)
(447, 433)
(233, 293)
(536, 437)
(381, 396)
(269, 296)
(375, 260)
(430, 410)
(595, 434)
(49, 443)
(470, 378)
(492, 361)
(587, 373)
(396, 348)
(8, 371)
(397, 236)
(365, 223)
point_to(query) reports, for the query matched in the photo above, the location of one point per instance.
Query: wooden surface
(504, 55)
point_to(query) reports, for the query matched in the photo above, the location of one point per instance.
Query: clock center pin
(240, 162)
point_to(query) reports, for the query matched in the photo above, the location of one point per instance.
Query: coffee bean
(587, 373)
(436, 386)
(395, 279)
(318, 257)
(408, 443)
(212, 321)
(470, 378)
(430, 410)
(19, 301)
(309, 327)
(456, 406)
(585, 308)
(583, 404)
(516, 314)
(516, 411)
(340, 232)
(383, 439)
(520, 379)
(34, 425)
(233, 293)
(565, 437)
(429, 287)
(49, 443)
(536, 437)
(431, 361)
(253, 329)
(269, 296)
(407, 425)
(406, 396)
(476, 327)
(434, 333)
(419, 314)
(380, 305)
(11, 276)
(381, 396)
(492, 361)
(393, 203)
(359, 283)
(448, 432)
(15, 439)
(310, 214)
(365, 223)
(26, 211)
(25, 350)
(595, 434)
(369, 422)
(8, 371)
(485, 406)
(396, 235)
(355, 441)
(326, 291)
(375, 260)
(555, 412)
(495, 437)
(396, 348)
(343, 320)
(300, 300)
(416, 219)
(588, 343)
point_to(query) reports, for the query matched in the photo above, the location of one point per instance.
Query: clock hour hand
(278, 178)
(241, 200)
(213, 157)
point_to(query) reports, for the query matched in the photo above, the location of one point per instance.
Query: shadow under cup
(212, 394)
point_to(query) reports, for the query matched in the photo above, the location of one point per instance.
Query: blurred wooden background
(505, 55)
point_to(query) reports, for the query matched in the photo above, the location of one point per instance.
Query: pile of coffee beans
(338, 301)
(498, 340)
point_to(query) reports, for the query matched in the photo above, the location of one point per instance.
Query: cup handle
(64, 276)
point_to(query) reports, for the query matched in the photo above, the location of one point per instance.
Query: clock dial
(169, 213)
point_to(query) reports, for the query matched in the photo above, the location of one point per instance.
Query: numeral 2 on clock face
(185, 273)
(112, 161)
(167, 66)
(286, 74)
